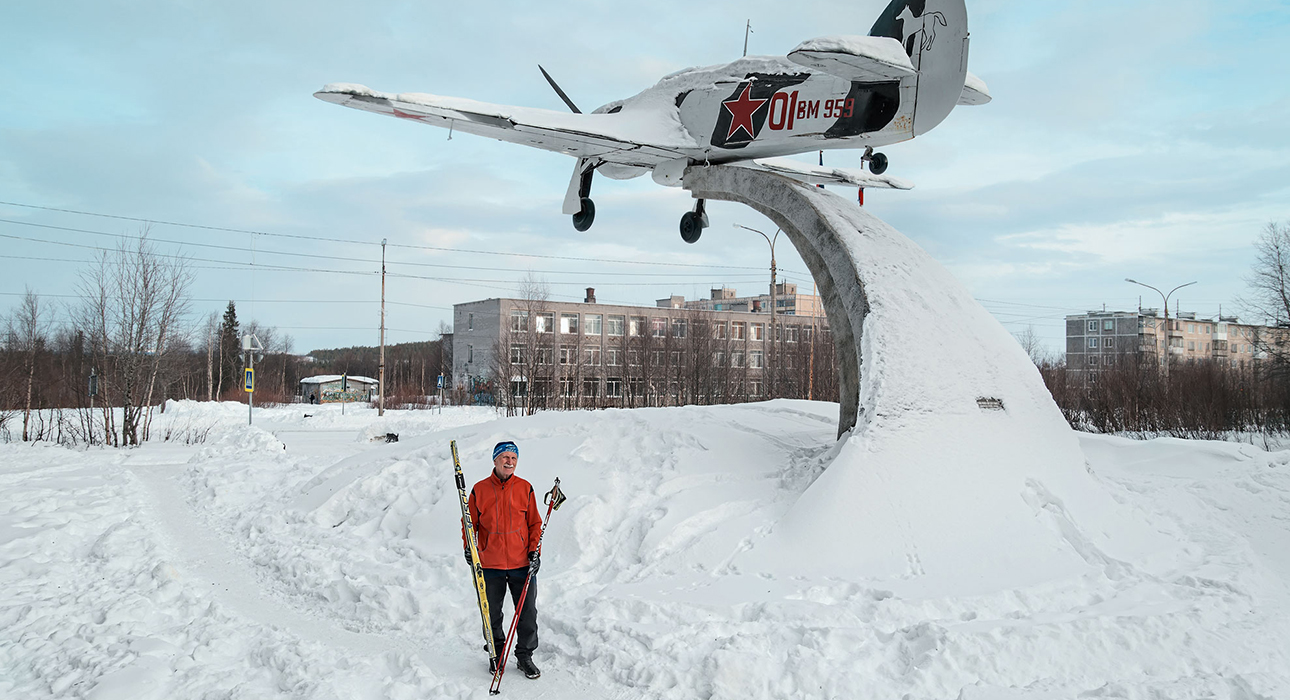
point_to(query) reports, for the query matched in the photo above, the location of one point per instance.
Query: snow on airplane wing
(642, 139)
(974, 91)
(820, 175)
(855, 58)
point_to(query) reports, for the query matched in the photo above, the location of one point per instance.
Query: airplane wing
(820, 175)
(855, 58)
(642, 139)
(974, 91)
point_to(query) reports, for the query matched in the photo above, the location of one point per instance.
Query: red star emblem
(741, 112)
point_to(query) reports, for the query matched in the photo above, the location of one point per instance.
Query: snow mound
(961, 468)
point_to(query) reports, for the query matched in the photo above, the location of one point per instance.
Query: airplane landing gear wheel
(691, 227)
(878, 164)
(584, 218)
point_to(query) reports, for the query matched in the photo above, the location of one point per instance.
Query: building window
(719, 330)
(569, 323)
(737, 359)
(1206, 347)
(678, 328)
(591, 356)
(545, 322)
(613, 357)
(614, 325)
(614, 387)
(718, 358)
(1108, 342)
(658, 327)
(1191, 345)
(567, 387)
(791, 333)
(1092, 360)
(637, 326)
(517, 354)
(1092, 342)
(568, 354)
(656, 358)
(470, 353)
(634, 358)
(1108, 325)
(591, 387)
(1191, 328)
(1092, 326)
(543, 355)
(754, 387)
(519, 321)
(591, 324)
(470, 322)
(676, 358)
(755, 359)
(737, 330)
(755, 331)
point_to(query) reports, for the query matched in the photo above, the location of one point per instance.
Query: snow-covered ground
(301, 558)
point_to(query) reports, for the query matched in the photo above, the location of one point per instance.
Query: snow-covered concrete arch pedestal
(824, 249)
(958, 461)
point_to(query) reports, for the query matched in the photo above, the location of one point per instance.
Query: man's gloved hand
(469, 562)
(535, 562)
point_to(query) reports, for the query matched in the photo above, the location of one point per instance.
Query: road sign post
(251, 348)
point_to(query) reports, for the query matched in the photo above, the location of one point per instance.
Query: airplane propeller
(558, 91)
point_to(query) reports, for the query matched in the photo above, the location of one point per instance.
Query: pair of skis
(553, 500)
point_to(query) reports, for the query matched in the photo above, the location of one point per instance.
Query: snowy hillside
(300, 558)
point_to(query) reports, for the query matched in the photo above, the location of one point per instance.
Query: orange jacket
(506, 520)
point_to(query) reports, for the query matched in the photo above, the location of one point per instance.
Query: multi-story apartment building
(1098, 340)
(538, 354)
(787, 301)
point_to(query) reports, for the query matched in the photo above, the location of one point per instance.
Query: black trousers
(496, 581)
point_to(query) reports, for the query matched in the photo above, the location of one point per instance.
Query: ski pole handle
(555, 497)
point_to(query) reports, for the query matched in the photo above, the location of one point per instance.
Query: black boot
(525, 665)
(492, 666)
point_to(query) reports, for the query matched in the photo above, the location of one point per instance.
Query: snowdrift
(961, 469)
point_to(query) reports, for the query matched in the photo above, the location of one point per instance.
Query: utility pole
(380, 411)
(1165, 297)
(810, 377)
(773, 298)
(747, 31)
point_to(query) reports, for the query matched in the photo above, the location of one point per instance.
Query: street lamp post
(770, 240)
(380, 378)
(1165, 298)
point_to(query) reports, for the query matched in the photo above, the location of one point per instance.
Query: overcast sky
(1143, 139)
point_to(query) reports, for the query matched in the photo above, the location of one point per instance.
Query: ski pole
(553, 500)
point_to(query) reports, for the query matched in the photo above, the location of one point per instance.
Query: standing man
(508, 527)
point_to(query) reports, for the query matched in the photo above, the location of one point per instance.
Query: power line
(236, 265)
(372, 243)
(325, 257)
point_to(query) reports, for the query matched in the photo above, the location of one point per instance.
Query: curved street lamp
(770, 240)
(1165, 356)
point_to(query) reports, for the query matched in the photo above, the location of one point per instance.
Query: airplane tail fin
(935, 35)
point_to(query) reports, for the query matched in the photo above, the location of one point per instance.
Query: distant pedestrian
(508, 527)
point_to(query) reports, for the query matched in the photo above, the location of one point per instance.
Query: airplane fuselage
(768, 106)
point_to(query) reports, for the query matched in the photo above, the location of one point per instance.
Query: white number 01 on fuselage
(898, 82)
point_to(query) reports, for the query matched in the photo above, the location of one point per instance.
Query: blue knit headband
(506, 446)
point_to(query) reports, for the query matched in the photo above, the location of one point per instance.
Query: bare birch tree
(27, 331)
(133, 301)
